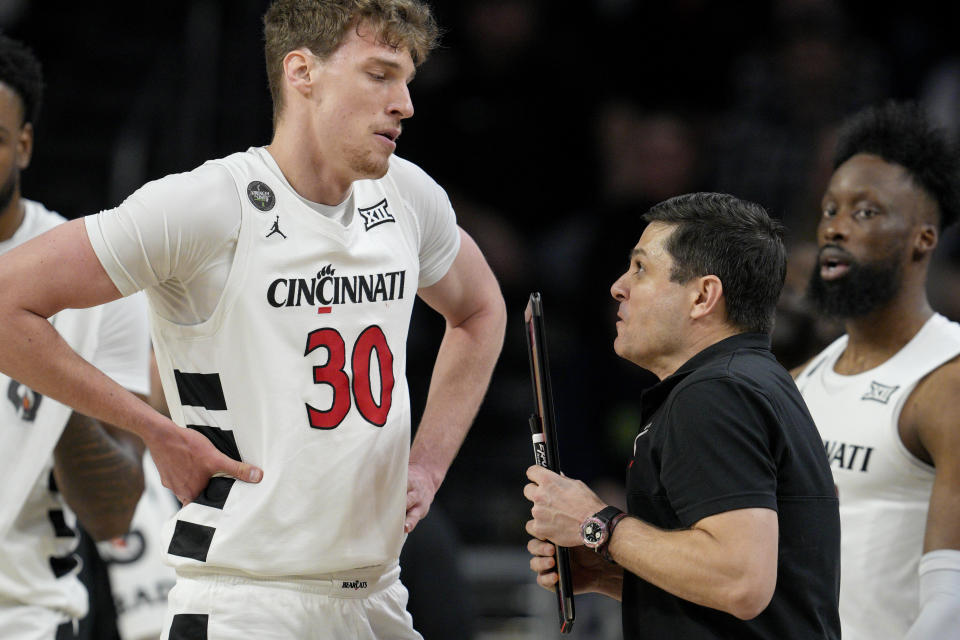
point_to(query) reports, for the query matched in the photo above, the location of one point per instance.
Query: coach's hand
(420, 492)
(560, 504)
(187, 460)
(589, 570)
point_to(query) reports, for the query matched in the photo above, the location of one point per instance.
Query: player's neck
(875, 338)
(11, 217)
(305, 168)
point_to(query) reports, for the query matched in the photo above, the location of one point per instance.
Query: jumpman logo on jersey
(276, 228)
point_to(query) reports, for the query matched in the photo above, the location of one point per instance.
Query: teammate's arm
(99, 472)
(470, 301)
(59, 270)
(932, 414)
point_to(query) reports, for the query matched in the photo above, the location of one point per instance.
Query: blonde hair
(322, 25)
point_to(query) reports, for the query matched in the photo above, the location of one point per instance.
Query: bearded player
(885, 395)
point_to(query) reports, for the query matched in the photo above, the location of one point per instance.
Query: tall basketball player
(281, 281)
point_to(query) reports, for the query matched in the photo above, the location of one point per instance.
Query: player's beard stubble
(866, 287)
(9, 187)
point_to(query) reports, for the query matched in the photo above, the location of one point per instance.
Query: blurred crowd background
(553, 126)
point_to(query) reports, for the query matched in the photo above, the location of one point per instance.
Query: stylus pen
(539, 441)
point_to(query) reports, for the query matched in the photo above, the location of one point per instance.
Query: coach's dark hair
(20, 70)
(901, 133)
(735, 240)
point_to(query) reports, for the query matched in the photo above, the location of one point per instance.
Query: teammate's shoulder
(938, 389)
(945, 326)
(44, 217)
(947, 374)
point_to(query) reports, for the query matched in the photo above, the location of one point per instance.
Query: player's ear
(707, 293)
(297, 67)
(925, 240)
(25, 146)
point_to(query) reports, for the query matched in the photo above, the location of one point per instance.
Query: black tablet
(543, 427)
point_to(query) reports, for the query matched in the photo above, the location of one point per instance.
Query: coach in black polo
(732, 529)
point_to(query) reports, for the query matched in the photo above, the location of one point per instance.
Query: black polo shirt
(729, 430)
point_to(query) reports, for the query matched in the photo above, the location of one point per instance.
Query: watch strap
(604, 548)
(605, 516)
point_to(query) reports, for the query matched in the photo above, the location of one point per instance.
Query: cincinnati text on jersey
(329, 289)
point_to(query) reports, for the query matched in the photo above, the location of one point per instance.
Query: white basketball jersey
(884, 490)
(300, 370)
(139, 577)
(37, 529)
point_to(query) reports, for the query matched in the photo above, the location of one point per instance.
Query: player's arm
(59, 270)
(933, 414)
(470, 301)
(99, 472)
(726, 561)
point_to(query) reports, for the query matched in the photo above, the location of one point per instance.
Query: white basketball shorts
(365, 604)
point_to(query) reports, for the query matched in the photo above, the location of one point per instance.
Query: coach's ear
(707, 295)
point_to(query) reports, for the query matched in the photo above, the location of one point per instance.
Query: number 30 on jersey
(332, 373)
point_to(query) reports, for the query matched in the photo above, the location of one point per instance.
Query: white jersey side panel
(300, 370)
(37, 565)
(884, 490)
(139, 577)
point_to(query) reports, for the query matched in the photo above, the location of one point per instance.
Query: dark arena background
(553, 126)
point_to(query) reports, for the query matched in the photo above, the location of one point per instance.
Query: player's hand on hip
(420, 492)
(560, 504)
(187, 460)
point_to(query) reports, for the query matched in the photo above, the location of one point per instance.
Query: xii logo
(879, 392)
(376, 215)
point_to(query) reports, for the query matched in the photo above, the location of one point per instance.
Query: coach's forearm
(461, 375)
(727, 561)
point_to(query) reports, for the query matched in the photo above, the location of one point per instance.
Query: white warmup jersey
(139, 578)
(280, 328)
(884, 490)
(37, 564)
